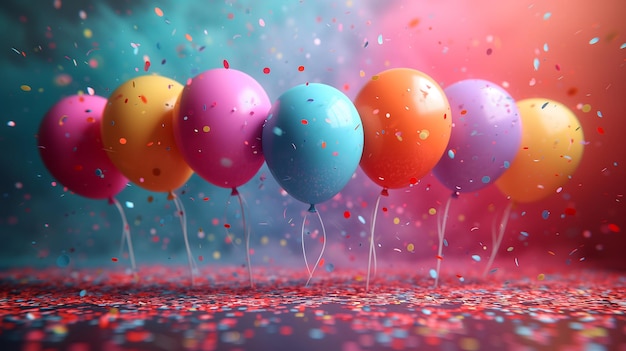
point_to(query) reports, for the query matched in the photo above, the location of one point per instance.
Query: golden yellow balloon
(137, 133)
(551, 150)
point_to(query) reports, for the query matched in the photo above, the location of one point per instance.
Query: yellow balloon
(137, 133)
(551, 150)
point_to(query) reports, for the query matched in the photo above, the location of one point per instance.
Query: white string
(372, 250)
(496, 241)
(441, 231)
(246, 234)
(319, 258)
(182, 216)
(125, 235)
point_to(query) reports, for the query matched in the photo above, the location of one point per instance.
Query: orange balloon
(137, 133)
(551, 150)
(407, 124)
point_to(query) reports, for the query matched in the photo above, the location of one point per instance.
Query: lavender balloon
(486, 135)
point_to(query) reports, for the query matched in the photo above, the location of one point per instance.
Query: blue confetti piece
(330, 267)
(544, 105)
(524, 234)
(433, 273)
(507, 164)
(545, 47)
(277, 131)
(316, 334)
(451, 154)
(486, 179)
(622, 46)
(594, 40)
(599, 113)
(547, 16)
(536, 63)
(380, 39)
(545, 214)
(476, 258)
(361, 219)
(130, 204)
(63, 260)
(83, 293)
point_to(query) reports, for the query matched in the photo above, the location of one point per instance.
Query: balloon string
(182, 216)
(441, 231)
(126, 235)
(246, 234)
(497, 236)
(372, 250)
(319, 258)
(306, 263)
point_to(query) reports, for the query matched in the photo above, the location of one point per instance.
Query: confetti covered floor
(157, 309)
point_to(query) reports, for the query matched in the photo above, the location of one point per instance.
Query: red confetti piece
(570, 211)
(266, 70)
(146, 66)
(143, 99)
(413, 180)
(600, 130)
(158, 12)
(226, 64)
(188, 37)
(300, 68)
(114, 259)
(304, 121)
(346, 214)
(614, 228)
(226, 225)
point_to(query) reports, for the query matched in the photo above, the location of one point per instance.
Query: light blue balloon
(313, 142)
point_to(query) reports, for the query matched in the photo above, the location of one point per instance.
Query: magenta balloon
(218, 125)
(71, 147)
(486, 135)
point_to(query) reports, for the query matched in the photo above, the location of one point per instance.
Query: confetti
(158, 11)
(25, 87)
(226, 64)
(594, 40)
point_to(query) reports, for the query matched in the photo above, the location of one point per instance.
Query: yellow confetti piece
(586, 108)
(396, 220)
(424, 134)
(206, 129)
(25, 87)
(410, 247)
(216, 255)
(432, 211)
(541, 276)
(87, 33)
(265, 240)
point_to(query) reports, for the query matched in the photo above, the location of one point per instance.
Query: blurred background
(571, 52)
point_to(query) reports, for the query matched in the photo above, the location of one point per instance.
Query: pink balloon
(218, 124)
(71, 147)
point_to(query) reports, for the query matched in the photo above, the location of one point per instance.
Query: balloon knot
(384, 192)
(312, 208)
(171, 196)
(234, 192)
(110, 200)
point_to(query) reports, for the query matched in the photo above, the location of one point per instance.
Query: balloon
(138, 136)
(406, 121)
(551, 150)
(486, 135)
(71, 148)
(218, 125)
(312, 141)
